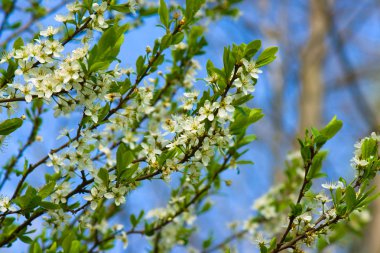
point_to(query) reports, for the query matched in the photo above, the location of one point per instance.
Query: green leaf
(36, 248)
(332, 128)
(75, 246)
(350, 198)
(368, 200)
(166, 41)
(369, 148)
(29, 200)
(263, 248)
(10, 125)
(128, 172)
(228, 62)
(242, 100)
(49, 205)
(103, 175)
(163, 12)
(124, 157)
(252, 48)
(338, 195)
(296, 209)
(267, 56)
(46, 190)
(103, 112)
(107, 49)
(177, 38)
(25, 239)
(207, 243)
(66, 244)
(18, 43)
(123, 8)
(316, 164)
(244, 162)
(140, 65)
(244, 118)
(210, 67)
(133, 220)
(189, 9)
(53, 248)
(246, 140)
(192, 7)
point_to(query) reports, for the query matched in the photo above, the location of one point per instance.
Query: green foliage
(164, 14)
(267, 56)
(332, 128)
(107, 49)
(10, 125)
(243, 118)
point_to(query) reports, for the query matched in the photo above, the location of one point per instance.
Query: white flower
(333, 185)
(60, 193)
(207, 111)
(132, 6)
(250, 225)
(63, 19)
(250, 68)
(124, 238)
(25, 66)
(49, 31)
(375, 136)
(225, 107)
(180, 46)
(205, 153)
(64, 133)
(95, 195)
(322, 197)
(26, 90)
(98, 17)
(93, 112)
(157, 213)
(118, 194)
(213, 78)
(358, 162)
(244, 84)
(53, 47)
(5, 204)
(55, 161)
(150, 150)
(74, 7)
(306, 218)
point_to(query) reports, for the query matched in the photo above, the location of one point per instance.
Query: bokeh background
(328, 64)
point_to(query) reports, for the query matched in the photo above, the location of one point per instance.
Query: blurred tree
(324, 46)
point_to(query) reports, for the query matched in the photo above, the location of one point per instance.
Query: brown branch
(6, 17)
(301, 194)
(31, 139)
(18, 229)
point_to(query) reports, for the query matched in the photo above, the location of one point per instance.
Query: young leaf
(46, 190)
(18, 43)
(332, 128)
(103, 175)
(267, 56)
(316, 165)
(164, 13)
(123, 157)
(350, 198)
(10, 125)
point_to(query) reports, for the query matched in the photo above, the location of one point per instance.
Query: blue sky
(233, 202)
